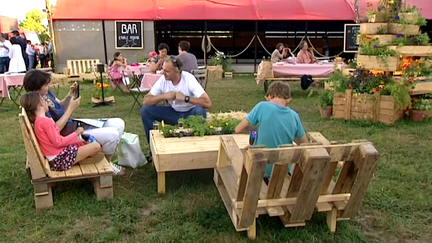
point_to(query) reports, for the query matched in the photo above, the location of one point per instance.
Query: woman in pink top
(304, 55)
(115, 70)
(61, 152)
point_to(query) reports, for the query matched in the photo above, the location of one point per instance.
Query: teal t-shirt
(278, 125)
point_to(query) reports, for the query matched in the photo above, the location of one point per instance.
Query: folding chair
(201, 76)
(135, 89)
(114, 87)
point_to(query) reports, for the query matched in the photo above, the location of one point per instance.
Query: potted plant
(97, 93)
(228, 69)
(326, 104)
(419, 107)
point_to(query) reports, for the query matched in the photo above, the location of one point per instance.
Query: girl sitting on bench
(61, 152)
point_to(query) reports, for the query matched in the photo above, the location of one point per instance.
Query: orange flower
(374, 90)
(350, 85)
(410, 80)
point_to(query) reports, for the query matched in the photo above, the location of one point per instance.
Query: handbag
(129, 151)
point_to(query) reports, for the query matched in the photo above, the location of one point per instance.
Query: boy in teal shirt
(278, 124)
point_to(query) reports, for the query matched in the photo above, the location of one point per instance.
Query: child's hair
(279, 90)
(116, 54)
(30, 102)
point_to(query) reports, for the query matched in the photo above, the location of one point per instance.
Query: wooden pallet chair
(97, 169)
(77, 67)
(311, 187)
(201, 76)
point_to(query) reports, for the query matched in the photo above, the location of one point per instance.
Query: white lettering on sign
(129, 29)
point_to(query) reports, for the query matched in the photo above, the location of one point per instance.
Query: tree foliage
(33, 22)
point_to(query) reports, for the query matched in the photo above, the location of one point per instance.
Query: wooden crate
(365, 107)
(186, 153)
(413, 51)
(348, 71)
(377, 18)
(372, 28)
(228, 75)
(214, 73)
(404, 29)
(372, 63)
(383, 39)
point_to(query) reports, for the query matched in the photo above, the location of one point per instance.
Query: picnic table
(186, 153)
(8, 81)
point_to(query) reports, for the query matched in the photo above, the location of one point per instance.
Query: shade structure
(203, 10)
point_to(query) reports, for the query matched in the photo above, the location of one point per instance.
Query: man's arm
(203, 101)
(150, 99)
(245, 127)
(301, 140)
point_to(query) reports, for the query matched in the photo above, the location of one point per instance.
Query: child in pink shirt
(61, 152)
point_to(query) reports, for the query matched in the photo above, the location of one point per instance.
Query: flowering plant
(417, 40)
(152, 55)
(97, 93)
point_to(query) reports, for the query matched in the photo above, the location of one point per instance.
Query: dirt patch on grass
(149, 210)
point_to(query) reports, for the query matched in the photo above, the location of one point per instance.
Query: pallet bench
(309, 188)
(77, 67)
(186, 153)
(97, 169)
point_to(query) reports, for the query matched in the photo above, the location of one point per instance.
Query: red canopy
(203, 10)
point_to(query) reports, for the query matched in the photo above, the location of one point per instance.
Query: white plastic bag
(129, 151)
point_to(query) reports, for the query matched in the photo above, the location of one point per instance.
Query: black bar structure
(256, 46)
(104, 42)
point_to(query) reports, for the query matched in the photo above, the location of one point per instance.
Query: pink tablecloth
(137, 69)
(10, 80)
(297, 70)
(149, 79)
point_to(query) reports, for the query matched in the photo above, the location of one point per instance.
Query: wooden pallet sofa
(97, 169)
(310, 188)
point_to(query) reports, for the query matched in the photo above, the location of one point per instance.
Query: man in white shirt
(185, 96)
(5, 47)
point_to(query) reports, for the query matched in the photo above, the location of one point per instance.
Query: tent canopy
(217, 9)
(203, 10)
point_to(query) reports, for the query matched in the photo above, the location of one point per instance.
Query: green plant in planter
(370, 48)
(417, 40)
(382, 30)
(326, 99)
(421, 105)
(427, 96)
(399, 93)
(228, 64)
(215, 60)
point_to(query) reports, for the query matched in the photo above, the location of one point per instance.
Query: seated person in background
(288, 50)
(304, 55)
(185, 95)
(116, 71)
(158, 61)
(277, 123)
(188, 59)
(61, 152)
(278, 53)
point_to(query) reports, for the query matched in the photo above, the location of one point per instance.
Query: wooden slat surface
(75, 171)
(103, 167)
(89, 169)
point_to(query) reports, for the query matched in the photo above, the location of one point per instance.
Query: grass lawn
(397, 207)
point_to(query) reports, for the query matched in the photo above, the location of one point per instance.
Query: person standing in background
(43, 55)
(16, 63)
(23, 44)
(51, 54)
(31, 53)
(5, 47)
(189, 60)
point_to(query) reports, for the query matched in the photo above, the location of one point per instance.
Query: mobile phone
(77, 91)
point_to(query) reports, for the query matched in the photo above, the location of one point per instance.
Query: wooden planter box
(384, 39)
(376, 107)
(413, 51)
(377, 18)
(372, 63)
(404, 29)
(372, 28)
(423, 85)
(228, 75)
(347, 71)
(410, 18)
(96, 100)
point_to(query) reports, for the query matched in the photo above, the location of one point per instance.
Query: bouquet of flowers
(152, 55)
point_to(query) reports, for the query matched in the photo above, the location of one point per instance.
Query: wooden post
(376, 109)
(348, 97)
(43, 196)
(161, 182)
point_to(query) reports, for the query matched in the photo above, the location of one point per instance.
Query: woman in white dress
(16, 63)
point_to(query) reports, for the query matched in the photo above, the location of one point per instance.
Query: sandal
(118, 170)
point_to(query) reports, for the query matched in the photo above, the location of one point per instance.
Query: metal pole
(256, 46)
(205, 43)
(104, 42)
(51, 30)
